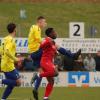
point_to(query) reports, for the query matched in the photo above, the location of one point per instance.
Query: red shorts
(47, 65)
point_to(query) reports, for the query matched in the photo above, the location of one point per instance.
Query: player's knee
(18, 82)
(51, 81)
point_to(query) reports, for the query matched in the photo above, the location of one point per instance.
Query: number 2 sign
(76, 29)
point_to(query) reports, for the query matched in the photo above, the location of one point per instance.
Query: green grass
(58, 16)
(58, 94)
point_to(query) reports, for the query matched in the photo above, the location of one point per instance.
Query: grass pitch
(58, 15)
(61, 93)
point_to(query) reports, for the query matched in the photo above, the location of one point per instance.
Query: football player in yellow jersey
(7, 62)
(34, 41)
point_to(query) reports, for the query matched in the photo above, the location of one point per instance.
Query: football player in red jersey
(49, 50)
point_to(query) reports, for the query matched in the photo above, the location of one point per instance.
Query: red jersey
(49, 49)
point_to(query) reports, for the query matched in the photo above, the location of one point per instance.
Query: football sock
(49, 89)
(37, 83)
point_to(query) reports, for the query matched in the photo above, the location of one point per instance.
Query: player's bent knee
(51, 80)
(18, 82)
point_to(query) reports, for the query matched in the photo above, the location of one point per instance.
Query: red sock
(47, 74)
(49, 89)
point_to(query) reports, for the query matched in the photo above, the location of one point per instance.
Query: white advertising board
(94, 79)
(60, 81)
(65, 79)
(87, 45)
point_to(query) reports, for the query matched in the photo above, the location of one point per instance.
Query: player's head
(50, 32)
(41, 21)
(11, 27)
